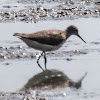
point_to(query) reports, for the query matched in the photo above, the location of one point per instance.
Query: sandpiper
(48, 40)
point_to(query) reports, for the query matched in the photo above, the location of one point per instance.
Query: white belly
(40, 46)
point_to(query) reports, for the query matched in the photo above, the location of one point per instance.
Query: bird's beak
(81, 38)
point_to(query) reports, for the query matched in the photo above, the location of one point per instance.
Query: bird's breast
(40, 46)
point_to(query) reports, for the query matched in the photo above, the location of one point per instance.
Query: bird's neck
(67, 36)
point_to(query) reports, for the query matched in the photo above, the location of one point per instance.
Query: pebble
(68, 59)
(64, 94)
(1, 55)
(97, 3)
(7, 63)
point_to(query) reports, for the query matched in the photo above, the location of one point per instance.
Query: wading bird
(48, 40)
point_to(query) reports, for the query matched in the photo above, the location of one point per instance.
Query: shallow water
(74, 58)
(14, 73)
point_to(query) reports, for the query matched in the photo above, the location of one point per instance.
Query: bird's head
(73, 30)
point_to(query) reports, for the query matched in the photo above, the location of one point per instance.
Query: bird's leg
(38, 61)
(45, 60)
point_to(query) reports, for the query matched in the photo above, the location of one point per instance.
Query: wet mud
(62, 10)
(22, 52)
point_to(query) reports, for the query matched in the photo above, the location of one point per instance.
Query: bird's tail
(19, 35)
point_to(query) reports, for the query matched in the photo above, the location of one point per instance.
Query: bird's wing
(50, 37)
